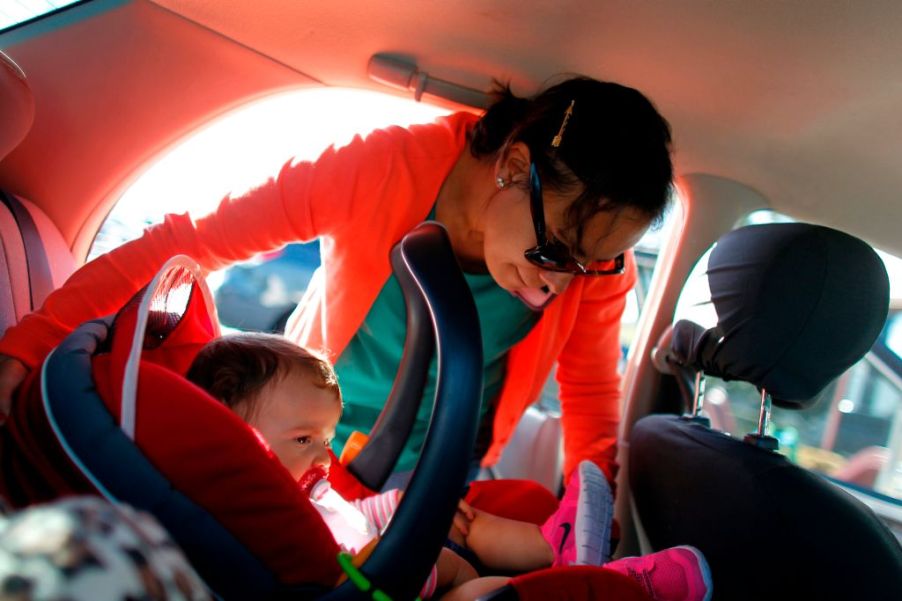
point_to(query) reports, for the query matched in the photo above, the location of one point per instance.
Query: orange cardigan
(360, 200)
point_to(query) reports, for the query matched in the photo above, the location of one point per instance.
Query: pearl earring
(499, 181)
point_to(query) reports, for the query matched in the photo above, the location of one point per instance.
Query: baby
(291, 398)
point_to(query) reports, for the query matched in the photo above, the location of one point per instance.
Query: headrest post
(698, 396)
(698, 399)
(764, 413)
(760, 438)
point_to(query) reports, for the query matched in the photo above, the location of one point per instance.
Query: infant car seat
(109, 413)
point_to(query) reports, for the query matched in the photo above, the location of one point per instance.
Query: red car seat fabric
(579, 583)
(522, 500)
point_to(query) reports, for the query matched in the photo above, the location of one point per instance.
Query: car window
(235, 152)
(854, 432)
(16, 12)
(646, 252)
(892, 338)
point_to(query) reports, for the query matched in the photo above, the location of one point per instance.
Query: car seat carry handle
(377, 459)
(409, 547)
(171, 288)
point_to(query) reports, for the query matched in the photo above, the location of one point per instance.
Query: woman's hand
(12, 373)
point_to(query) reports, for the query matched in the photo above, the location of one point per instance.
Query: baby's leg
(475, 588)
(580, 529)
(452, 569)
(510, 545)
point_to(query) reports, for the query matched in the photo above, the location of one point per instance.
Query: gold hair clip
(560, 134)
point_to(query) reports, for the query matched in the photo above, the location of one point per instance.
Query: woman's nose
(557, 282)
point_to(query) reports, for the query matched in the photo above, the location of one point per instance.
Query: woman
(542, 199)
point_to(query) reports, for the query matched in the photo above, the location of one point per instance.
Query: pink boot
(579, 532)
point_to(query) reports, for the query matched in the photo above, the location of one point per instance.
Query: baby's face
(297, 420)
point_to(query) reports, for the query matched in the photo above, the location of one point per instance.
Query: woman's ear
(514, 163)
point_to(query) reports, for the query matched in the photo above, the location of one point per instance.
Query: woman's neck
(460, 206)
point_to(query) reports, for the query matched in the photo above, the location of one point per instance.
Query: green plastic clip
(359, 580)
(354, 575)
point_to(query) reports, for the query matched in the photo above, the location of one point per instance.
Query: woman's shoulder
(422, 148)
(455, 125)
(445, 133)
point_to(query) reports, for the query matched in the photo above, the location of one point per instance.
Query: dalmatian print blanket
(86, 549)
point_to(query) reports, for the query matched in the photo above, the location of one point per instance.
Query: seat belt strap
(40, 282)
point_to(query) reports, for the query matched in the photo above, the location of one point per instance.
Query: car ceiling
(799, 101)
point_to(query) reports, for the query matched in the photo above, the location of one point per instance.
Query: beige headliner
(797, 100)
(801, 100)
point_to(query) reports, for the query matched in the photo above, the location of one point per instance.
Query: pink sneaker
(676, 574)
(579, 532)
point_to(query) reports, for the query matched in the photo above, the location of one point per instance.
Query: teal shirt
(367, 367)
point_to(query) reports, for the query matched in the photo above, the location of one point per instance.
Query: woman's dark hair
(235, 369)
(616, 144)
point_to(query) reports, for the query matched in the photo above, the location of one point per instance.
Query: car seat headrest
(796, 305)
(16, 105)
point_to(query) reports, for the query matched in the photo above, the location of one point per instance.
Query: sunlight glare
(246, 147)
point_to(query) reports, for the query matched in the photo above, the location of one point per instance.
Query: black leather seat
(796, 305)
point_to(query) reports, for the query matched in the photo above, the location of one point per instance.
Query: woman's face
(509, 232)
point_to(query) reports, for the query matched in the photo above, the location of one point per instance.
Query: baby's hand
(463, 517)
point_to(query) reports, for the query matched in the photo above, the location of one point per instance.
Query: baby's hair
(235, 369)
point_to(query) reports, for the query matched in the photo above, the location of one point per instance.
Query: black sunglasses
(550, 254)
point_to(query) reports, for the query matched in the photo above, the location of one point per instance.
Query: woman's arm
(304, 201)
(588, 374)
(352, 184)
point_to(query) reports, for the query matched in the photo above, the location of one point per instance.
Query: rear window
(16, 12)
